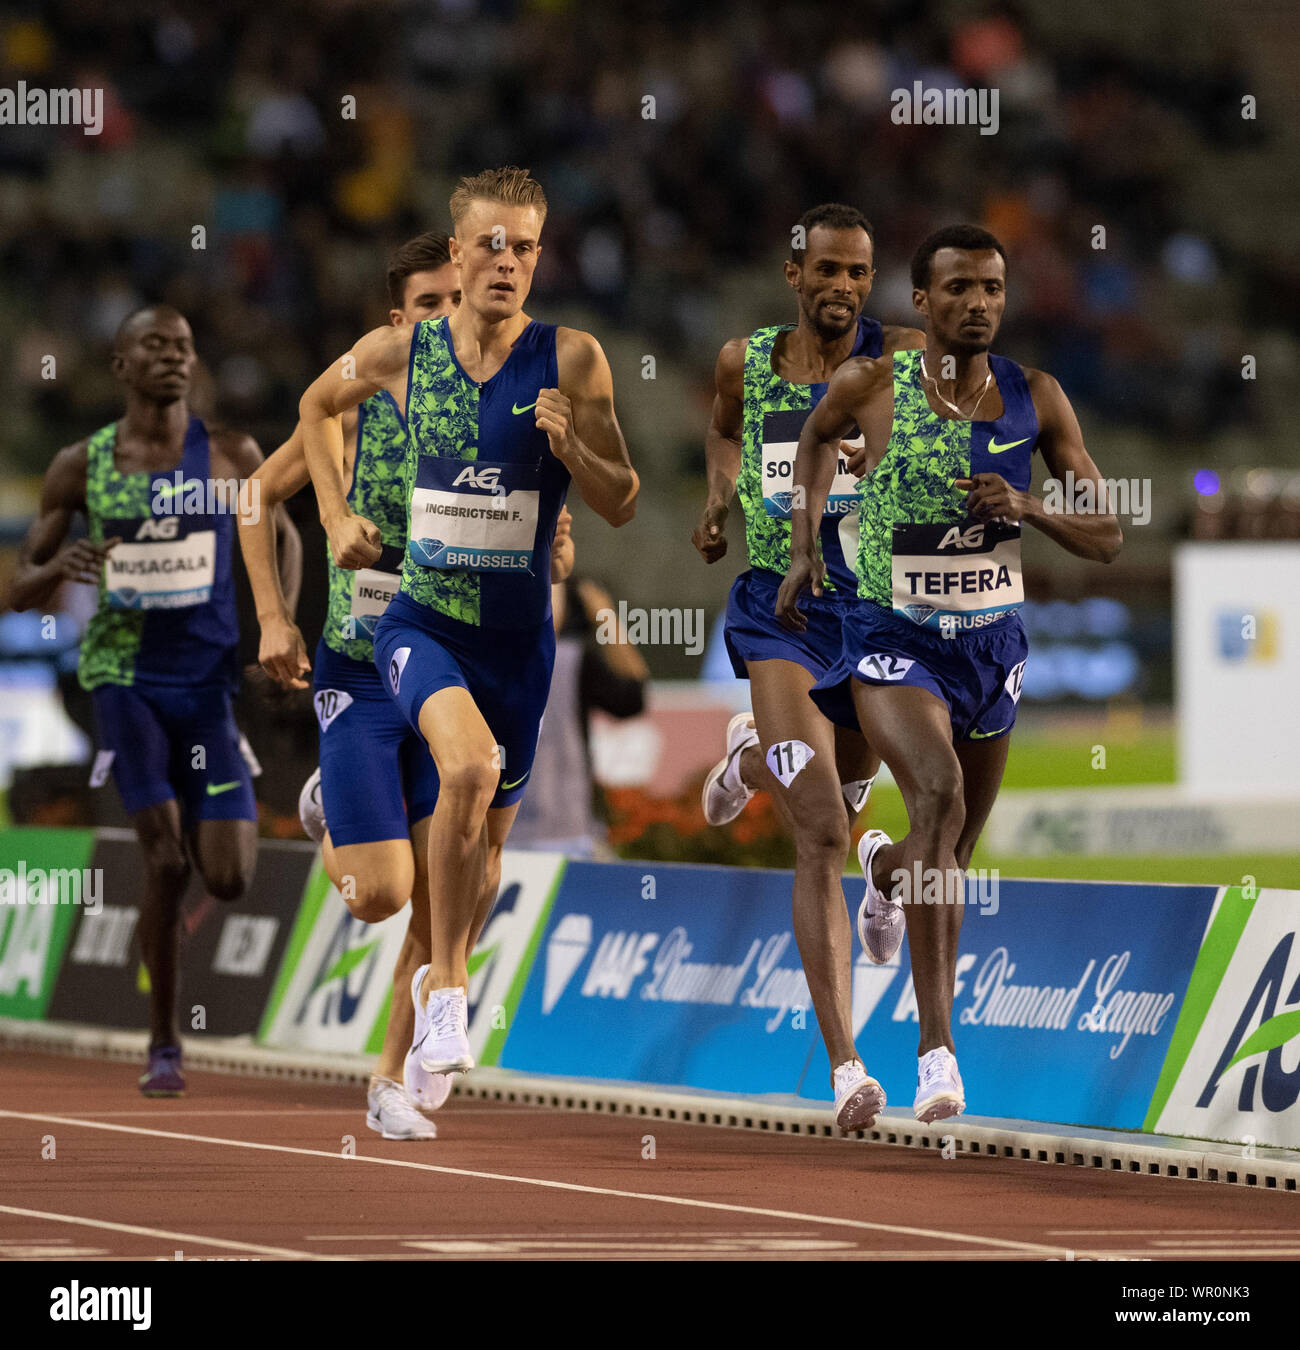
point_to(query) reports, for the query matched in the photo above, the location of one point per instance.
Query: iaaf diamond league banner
(1066, 999)
(335, 986)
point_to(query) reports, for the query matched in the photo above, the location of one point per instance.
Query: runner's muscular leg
(465, 752)
(982, 766)
(912, 731)
(167, 874)
(226, 854)
(415, 952)
(499, 821)
(766, 686)
(820, 828)
(375, 879)
(855, 760)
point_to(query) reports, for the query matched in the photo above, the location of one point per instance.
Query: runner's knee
(225, 879)
(469, 786)
(166, 860)
(937, 800)
(375, 899)
(821, 830)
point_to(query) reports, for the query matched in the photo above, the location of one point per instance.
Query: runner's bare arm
(378, 360)
(244, 456)
(281, 652)
(723, 450)
(562, 554)
(1094, 534)
(584, 434)
(45, 560)
(895, 339)
(892, 339)
(848, 394)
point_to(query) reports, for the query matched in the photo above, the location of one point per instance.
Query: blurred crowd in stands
(295, 144)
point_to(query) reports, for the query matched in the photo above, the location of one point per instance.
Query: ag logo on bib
(396, 665)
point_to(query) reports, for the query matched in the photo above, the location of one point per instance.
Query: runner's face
(429, 295)
(157, 360)
(966, 297)
(497, 249)
(835, 279)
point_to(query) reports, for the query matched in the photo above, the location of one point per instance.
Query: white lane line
(510, 1237)
(289, 1111)
(228, 1244)
(1159, 1232)
(864, 1225)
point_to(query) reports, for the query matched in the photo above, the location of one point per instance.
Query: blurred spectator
(558, 810)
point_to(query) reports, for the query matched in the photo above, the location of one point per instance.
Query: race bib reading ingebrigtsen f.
(473, 515)
(372, 589)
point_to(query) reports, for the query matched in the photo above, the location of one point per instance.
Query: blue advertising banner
(1065, 999)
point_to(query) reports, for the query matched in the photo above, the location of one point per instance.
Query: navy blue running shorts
(377, 777)
(507, 672)
(753, 632)
(165, 741)
(978, 675)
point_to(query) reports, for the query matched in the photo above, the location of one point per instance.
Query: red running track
(269, 1168)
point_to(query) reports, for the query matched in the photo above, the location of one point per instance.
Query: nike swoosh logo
(996, 449)
(505, 787)
(984, 735)
(215, 789)
(517, 410)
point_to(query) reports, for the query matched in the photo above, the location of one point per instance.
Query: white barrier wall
(1237, 668)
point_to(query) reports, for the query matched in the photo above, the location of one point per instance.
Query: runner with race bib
(502, 412)
(159, 491)
(934, 650)
(817, 774)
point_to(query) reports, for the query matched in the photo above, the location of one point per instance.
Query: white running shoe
(427, 1090)
(724, 795)
(881, 924)
(390, 1113)
(859, 1099)
(441, 1040)
(939, 1091)
(311, 810)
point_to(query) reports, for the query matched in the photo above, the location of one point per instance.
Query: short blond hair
(510, 186)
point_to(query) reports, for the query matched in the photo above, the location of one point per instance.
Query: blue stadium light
(1206, 482)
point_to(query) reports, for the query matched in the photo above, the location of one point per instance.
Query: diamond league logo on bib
(427, 551)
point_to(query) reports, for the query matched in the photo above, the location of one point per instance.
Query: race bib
(373, 588)
(780, 442)
(956, 577)
(162, 573)
(473, 515)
